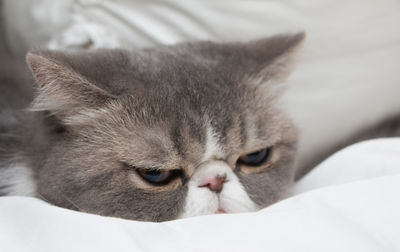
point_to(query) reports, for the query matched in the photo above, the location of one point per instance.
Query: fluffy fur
(197, 107)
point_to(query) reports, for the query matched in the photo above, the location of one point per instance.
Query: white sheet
(362, 215)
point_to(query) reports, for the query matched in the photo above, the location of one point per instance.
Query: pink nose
(215, 184)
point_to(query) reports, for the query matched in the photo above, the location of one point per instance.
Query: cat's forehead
(167, 70)
(179, 108)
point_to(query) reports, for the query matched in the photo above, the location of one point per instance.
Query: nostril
(215, 184)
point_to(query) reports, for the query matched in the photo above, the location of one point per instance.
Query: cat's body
(155, 134)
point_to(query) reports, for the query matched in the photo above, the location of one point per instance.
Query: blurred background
(347, 78)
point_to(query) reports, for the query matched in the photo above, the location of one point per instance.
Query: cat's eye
(158, 176)
(255, 158)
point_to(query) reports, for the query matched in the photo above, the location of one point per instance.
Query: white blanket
(358, 211)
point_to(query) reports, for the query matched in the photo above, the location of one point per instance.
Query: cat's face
(168, 132)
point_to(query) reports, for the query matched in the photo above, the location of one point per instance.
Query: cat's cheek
(268, 187)
(234, 198)
(199, 201)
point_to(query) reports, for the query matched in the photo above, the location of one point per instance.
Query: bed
(349, 63)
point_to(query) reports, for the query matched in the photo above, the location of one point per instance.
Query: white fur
(19, 180)
(201, 200)
(213, 149)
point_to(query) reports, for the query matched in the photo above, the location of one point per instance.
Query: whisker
(42, 197)
(73, 203)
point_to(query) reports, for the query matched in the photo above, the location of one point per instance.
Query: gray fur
(95, 111)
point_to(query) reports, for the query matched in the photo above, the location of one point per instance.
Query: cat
(154, 134)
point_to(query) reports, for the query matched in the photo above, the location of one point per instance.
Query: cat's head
(167, 132)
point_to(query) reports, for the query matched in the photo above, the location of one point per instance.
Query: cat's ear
(269, 60)
(61, 90)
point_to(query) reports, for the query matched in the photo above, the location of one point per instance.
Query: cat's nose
(215, 184)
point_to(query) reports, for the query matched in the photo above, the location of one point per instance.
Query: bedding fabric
(358, 211)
